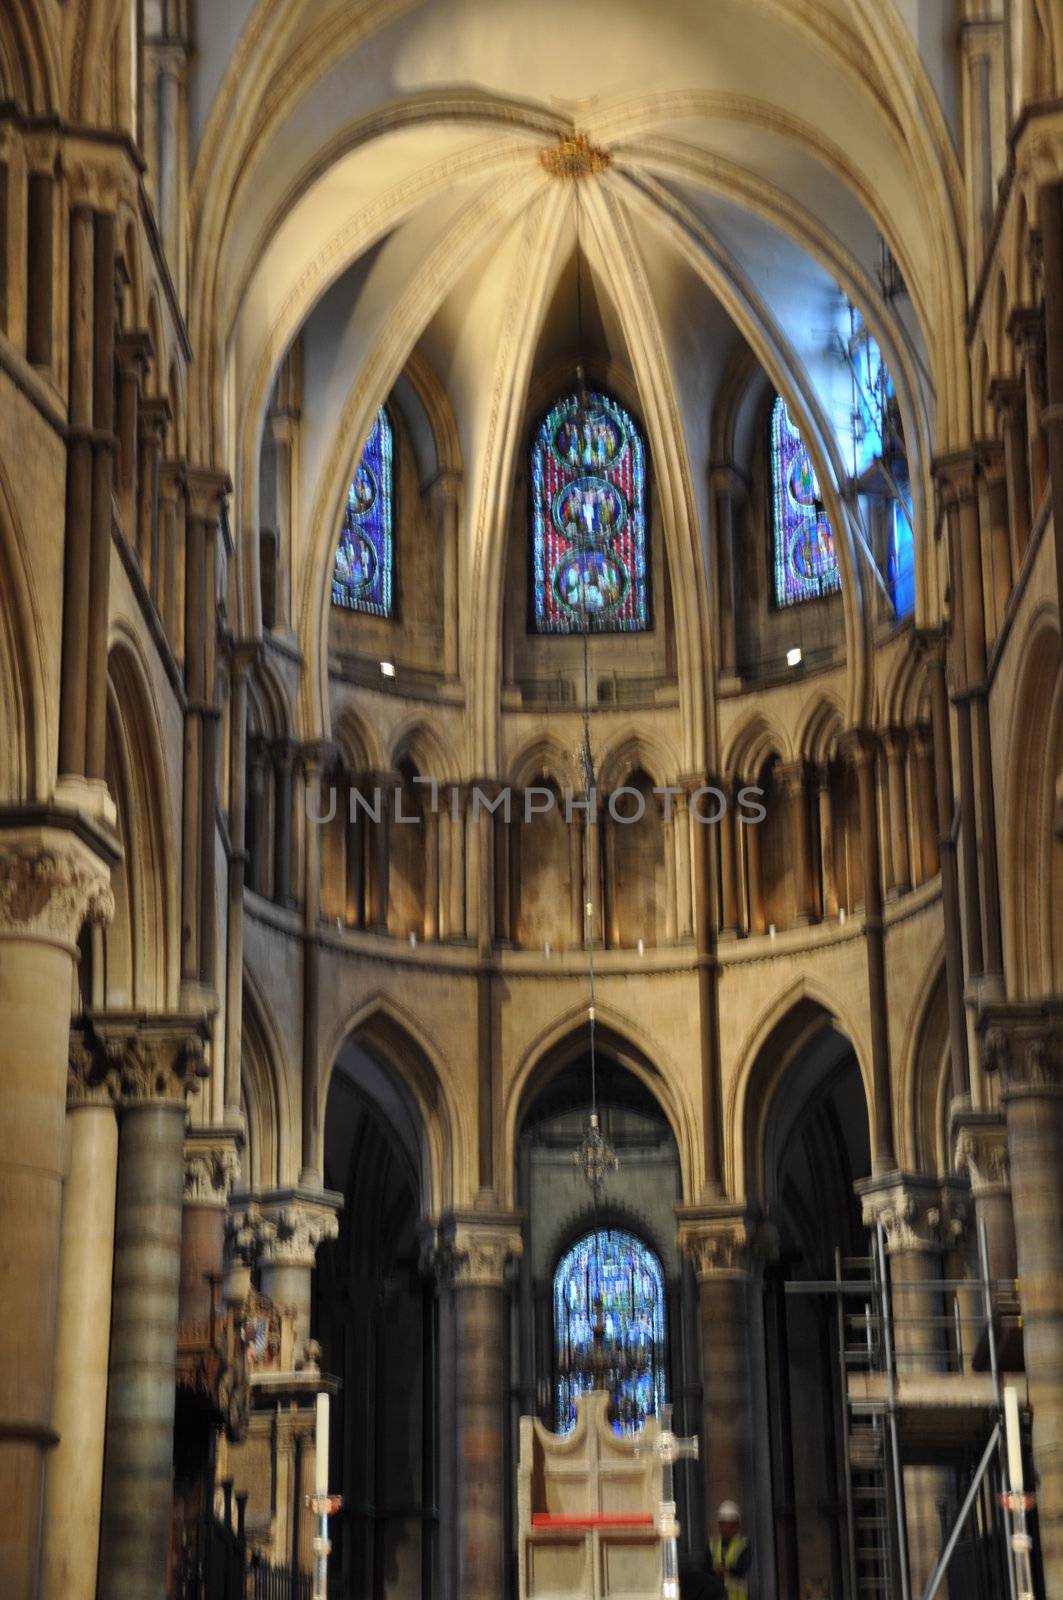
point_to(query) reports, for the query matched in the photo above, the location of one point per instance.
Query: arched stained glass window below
(616, 1269)
(363, 576)
(805, 563)
(588, 492)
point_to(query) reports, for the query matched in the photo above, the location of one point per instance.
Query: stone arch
(543, 757)
(630, 751)
(922, 1127)
(1033, 881)
(793, 1021)
(751, 744)
(619, 1038)
(24, 737)
(819, 730)
(29, 65)
(402, 1049)
(145, 876)
(265, 1094)
(357, 741)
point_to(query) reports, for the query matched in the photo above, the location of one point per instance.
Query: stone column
(285, 428)
(792, 781)
(288, 1225)
(447, 487)
(1023, 1042)
(255, 834)
(895, 741)
(153, 418)
(862, 751)
(212, 1162)
(159, 1060)
(924, 851)
(726, 1247)
(283, 764)
(315, 759)
(1051, 220)
(1026, 329)
(1009, 399)
(825, 821)
(132, 354)
(934, 646)
(995, 513)
(383, 785)
(242, 658)
(915, 1223)
(474, 1249)
(727, 485)
(77, 544)
(980, 1144)
(74, 1481)
(681, 825)
(49, 883)
(103, 329)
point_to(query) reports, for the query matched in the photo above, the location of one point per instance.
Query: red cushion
(634, 1519)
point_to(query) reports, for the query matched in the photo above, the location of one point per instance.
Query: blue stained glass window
(588, 490)
(363, 575)
(626, 1275)
(805, 563)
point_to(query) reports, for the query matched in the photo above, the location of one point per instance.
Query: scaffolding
(925, 1387)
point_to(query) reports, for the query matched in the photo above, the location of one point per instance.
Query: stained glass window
(588, 488)
(363, 576)
(616, 1268)
(805, 563)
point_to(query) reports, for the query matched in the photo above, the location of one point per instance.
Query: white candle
(1011, 1426)
(321, 1446)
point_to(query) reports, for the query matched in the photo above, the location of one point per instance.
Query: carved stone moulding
(725, 1240)
(574, 157)
(1023, 1042)
(473, 1249)
(51, 882)
(212, 1165)
(980, 1150)
(916, 1212)
(283, 1227)
(150, 1057)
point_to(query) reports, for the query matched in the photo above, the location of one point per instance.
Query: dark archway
(559, 1209)
(375, 1317)
(808, 1141)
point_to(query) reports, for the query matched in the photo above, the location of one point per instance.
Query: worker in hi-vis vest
(729, 1553)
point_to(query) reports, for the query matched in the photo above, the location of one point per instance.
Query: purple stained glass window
(626, 1275)
(805, 562)
(588, 488)
(363, 575)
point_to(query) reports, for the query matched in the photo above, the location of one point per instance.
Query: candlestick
(1014, 1437)
(321, 1445)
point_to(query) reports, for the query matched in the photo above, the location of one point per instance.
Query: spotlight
(387, 669)
(793, 657)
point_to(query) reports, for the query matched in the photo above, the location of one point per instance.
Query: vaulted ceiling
(373, 173)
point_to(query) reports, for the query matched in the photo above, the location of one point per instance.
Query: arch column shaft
(48, 881)
(1023, 1041)
(864, 749)
(75, 1471)
(160, 1061)
(474, 1248)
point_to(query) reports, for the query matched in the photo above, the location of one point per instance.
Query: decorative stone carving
(92, 1078)
(725, 1242)
(475, 1248)
(154, 1058)
(981, 1151)
(283, 1229)
(49, 886)
(1023, 1042)
(916, 1213)
(212, 1165)
(574, 157)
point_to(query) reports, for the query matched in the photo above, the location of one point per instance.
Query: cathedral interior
(531, 809)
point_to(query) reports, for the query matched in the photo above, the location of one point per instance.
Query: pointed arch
(265, 1093)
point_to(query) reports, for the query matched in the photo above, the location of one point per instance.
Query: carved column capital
(474, 1248)
(1023, 1041)
(212, 1165)
(981, 1152)
(859, 747)
(916, 1213)
(92, 1077)
(156, 1059)
(725, 1242)
(50, 884)
(285, 1227)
